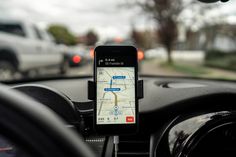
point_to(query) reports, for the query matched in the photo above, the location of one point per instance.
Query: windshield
(54, 38)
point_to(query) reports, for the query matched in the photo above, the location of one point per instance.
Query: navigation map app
(115, 95)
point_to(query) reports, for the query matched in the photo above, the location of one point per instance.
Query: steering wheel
(33, 126)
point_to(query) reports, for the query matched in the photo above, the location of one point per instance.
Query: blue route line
(111, 82)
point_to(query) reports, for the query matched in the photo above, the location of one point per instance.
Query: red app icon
(129, 119)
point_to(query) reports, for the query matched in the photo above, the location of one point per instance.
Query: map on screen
(115, 95)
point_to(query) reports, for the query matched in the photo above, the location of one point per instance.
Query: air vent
(131, 146)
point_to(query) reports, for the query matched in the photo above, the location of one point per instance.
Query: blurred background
(174, 37)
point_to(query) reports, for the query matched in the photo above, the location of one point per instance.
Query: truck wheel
(7, 71)
(64, 67)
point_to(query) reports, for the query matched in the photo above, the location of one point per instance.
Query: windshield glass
(53, 38)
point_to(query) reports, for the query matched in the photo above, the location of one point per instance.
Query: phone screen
(115, 93)
(116, 80)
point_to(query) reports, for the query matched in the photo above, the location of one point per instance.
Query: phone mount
(92, 85)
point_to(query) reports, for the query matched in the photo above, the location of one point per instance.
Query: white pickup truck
(25, 47)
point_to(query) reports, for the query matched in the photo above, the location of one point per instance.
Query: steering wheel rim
(31, 124)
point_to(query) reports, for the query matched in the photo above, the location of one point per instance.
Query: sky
(109, 18)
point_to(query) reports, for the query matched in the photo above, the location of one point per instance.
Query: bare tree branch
(168, 16)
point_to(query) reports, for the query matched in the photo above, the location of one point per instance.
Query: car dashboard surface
(178, 116)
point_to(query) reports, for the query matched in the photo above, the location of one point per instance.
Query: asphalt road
(147, 67)
(153, 67)
(81, 70)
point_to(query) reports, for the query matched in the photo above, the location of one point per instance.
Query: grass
(188, 69)
(222, 63)
(220, 59)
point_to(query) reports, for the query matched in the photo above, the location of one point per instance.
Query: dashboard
(178, 116)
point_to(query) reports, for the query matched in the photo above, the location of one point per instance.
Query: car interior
(179, 116)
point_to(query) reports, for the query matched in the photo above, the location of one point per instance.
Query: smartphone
(116, 104)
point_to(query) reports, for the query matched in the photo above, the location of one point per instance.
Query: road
(148, 67)
(81, 70)
(153, 67)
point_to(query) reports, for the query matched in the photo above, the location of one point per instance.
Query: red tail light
(76, 59)
(91, 53)
(140, 55)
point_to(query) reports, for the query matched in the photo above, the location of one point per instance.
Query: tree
(143, 39)
(166, 14)
(91, 38)
(62, 35)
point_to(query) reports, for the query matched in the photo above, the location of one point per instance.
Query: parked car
(77, 56)
(120, 41)
(24, 46)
